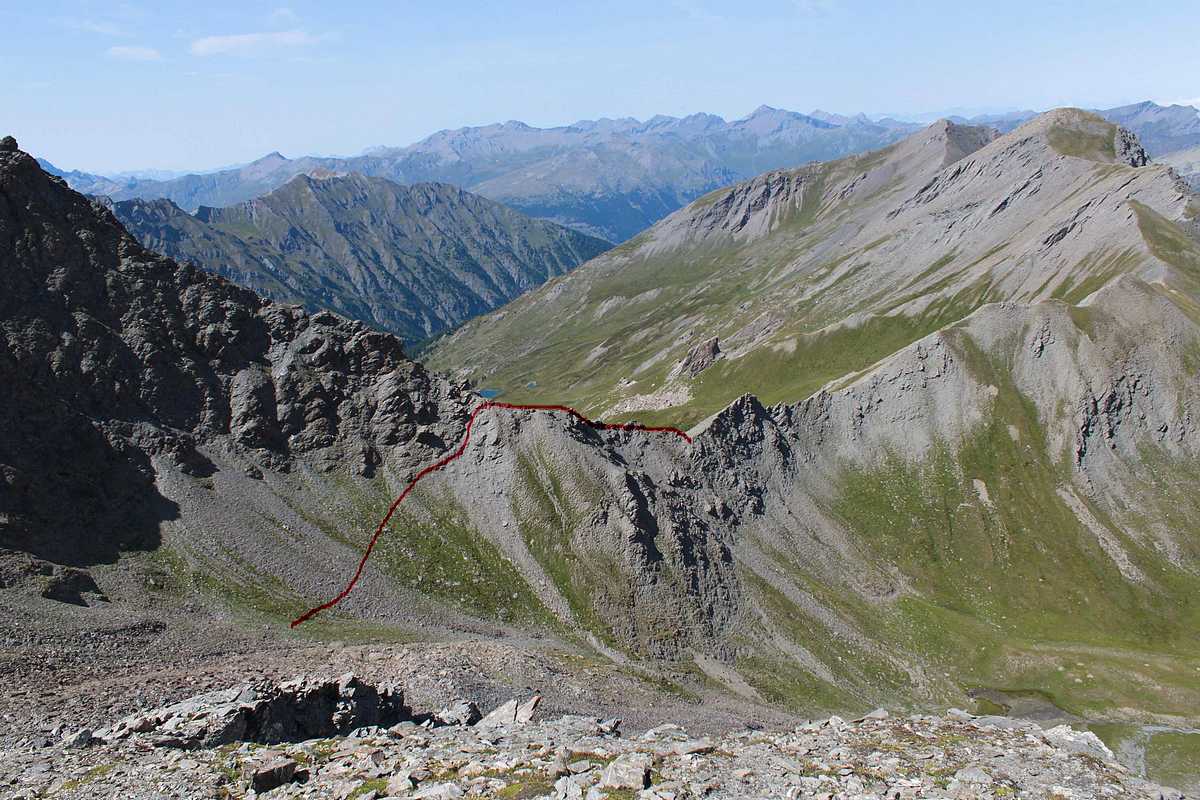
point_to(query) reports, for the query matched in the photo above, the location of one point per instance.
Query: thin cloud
(102, 27)
(248, 43)
(134, 53)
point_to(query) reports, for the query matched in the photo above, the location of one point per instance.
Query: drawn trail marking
(462, 448)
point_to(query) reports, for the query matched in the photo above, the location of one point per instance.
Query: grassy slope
(1018, 595)
(616, 321)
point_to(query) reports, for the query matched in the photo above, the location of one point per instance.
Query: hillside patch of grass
(1008, 592)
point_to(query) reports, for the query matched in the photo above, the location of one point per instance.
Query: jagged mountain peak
(830, 117)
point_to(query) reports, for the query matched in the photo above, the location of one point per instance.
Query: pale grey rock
(438, 791)
(504, 714)
(512, 712)
(973, 774)
(461, 712)
(525, 711)
(627, 772)
(567, 788)
(1067, 738)
(400, 784)
(992, 721)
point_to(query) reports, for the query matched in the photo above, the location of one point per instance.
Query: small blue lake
(489, 393)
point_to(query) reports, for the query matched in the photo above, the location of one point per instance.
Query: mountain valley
(944, 445)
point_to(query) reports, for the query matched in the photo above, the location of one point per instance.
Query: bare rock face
(701, 357)
(117, 358)
(1129, 150)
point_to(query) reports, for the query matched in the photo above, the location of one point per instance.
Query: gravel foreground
(197, 749)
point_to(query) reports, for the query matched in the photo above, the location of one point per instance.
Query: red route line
(462, 448)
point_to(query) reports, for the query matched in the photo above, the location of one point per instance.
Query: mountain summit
(804, 275)
(414, 260)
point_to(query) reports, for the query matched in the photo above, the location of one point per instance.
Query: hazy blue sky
(106, 86)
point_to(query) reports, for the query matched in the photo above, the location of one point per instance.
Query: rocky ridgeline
(346, 739)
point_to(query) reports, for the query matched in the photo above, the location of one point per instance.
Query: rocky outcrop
(571, 758)
(299, 710)
(1129, 149)
(116, 358)
(700, 357)
(306, 708)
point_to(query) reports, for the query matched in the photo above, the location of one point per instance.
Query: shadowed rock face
(113, 357)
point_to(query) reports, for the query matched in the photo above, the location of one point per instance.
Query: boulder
(438, 791)
(275, 773)
(1085, 742)
(511, 713)
(460, 712)
(631, 771)
(400, 784)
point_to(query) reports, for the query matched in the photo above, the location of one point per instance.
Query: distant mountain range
(611, 178)
(412, 260)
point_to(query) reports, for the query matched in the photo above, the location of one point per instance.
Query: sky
(112, 86)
